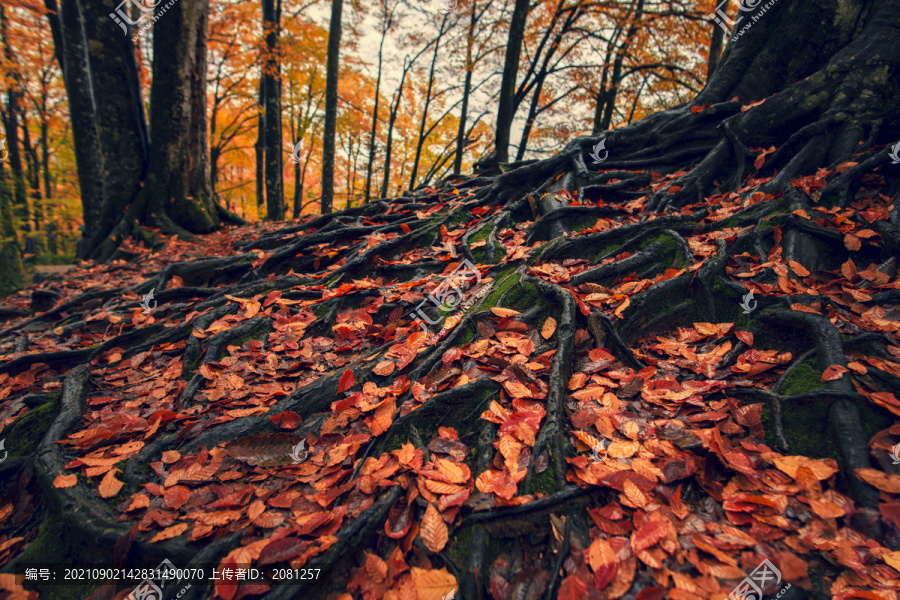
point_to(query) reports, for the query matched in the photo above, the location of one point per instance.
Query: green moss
(255, 334)
(56, 544)
(25, 434)
(545, 482)
(505, 280)
(804, 378)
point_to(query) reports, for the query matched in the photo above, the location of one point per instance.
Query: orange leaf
(170, 457)
(385, 367)
(170, 532)
(834, 372)
(549, 328)
(65, 481)
(602, 559)
(504, 312)
(434, 531)
(798, 268)
(634, 494)
(879, 479)
(176, 496)
(432, 584)
(110, 486)
(347, 381)
(821, 469)
(852, 243)
(138, 501)
(745, 336)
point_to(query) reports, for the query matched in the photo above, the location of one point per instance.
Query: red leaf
(347, 381)
(287, 420)
(834, 372)
(745, 336)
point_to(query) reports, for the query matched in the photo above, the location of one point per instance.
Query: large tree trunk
(70, 43)
(171, 181)
(814, 78)
(120, 118)
(272, 85)
(332, 67)
(506, 104)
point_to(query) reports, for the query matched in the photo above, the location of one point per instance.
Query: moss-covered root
(550, 437)
(843, 418)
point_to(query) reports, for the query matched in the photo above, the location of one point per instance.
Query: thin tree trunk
(467, 87)
(260, 147)
(715, 50)
(71, 52)
(421, 140)
(371, 159)
(506, 109)
(272, 84)
(199, 176)
(331, 90)
(13, 94)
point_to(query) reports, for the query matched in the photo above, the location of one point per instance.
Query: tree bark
(272, 85)
(332, 67)
(506, 104)
(71, 52)
(260, 148)
(170, 181)
(370, 166)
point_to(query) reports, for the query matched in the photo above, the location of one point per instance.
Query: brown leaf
(602, 559)
(170, 532)
(852, 243)
(432, 584)
(834, 372)
(798, 268)
(433, 531)
(885, 482)
(549, 328)
(504, 312)
(110, 486)
(65, 481)
(385, 367)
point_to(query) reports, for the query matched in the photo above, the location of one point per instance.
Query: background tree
(332, 67)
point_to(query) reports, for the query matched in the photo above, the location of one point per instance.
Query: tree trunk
(172, 171)
(71, 53)
(370, 166)
(120, 118)
(332, 67)
(506, 104)
(421, 139)
(715, 49)
(260, 148)
(272, 84)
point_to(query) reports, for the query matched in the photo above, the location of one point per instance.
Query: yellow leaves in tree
(433, 532)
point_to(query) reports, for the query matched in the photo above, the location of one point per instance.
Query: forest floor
(585, 427)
